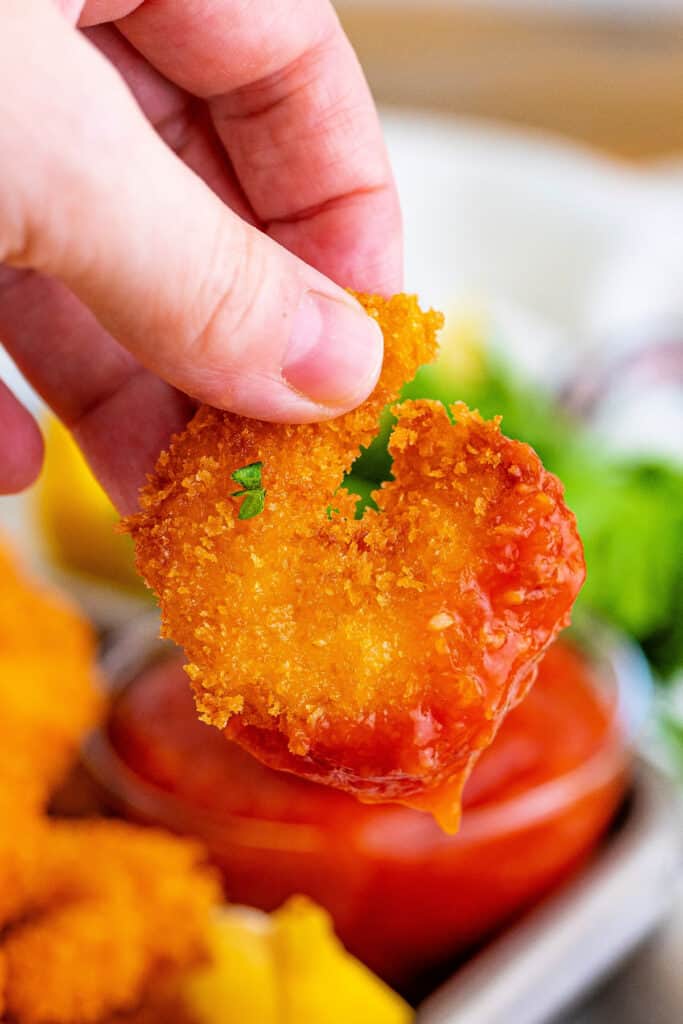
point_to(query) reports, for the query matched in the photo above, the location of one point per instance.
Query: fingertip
(22, 446)
(307, 351)
(335, 351)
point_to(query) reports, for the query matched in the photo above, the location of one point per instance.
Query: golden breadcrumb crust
(116, 908)
(48, 684)
(378, 655)
(49, 698)
(92, 913)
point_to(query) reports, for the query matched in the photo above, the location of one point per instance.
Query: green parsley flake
(252, 492)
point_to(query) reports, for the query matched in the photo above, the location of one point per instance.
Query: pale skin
(186, 188)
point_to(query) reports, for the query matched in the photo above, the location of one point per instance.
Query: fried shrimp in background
(117, 909)
(377, 655)
(48, 699)
(92, 913)
(48, 685)
(165, 1006)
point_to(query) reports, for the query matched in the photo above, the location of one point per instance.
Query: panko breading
(48, 699)
(118, 908)
(376, 655)
(3, 981)
(106, 911)
(167, 1006)
(22, 837)
(48, 685)
(92, 913)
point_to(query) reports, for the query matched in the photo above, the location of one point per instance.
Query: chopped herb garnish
(249, 477)
(254, 502)
(252, 492)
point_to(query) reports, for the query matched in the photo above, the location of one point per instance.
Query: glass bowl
(406, 898)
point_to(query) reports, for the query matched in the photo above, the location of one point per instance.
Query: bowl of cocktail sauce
(405, 897)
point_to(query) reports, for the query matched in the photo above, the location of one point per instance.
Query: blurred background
(605, 72)
(538, 149)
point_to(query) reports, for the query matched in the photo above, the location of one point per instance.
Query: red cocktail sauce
(404, 896)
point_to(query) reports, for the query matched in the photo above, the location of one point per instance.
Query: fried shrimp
(48, 685)
(116, 909)
(48, 699)
(376, 655)
(92, 913)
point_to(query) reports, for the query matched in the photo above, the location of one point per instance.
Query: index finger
(293, 110)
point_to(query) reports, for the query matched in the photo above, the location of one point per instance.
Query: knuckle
(227, 301)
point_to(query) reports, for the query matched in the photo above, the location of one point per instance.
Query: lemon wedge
(240, 983)
(286, 968)
(77, 518)
(320, 982)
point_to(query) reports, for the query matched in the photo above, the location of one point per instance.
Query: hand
(172, 172)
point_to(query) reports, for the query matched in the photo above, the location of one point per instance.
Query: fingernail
(335, 351)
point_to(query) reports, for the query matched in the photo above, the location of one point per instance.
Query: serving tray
(564, 946)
